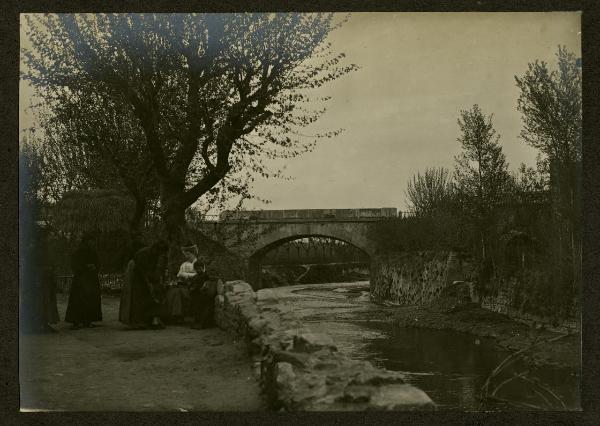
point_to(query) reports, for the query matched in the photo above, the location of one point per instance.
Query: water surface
(451, 367)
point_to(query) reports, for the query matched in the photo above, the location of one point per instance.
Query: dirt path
(113, 368)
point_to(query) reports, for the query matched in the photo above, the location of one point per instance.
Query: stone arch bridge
(251, 234)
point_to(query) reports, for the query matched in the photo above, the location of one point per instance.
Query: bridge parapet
(316, 214)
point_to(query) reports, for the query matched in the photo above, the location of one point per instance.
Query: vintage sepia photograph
(300, 212)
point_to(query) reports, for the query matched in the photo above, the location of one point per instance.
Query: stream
(449, 366)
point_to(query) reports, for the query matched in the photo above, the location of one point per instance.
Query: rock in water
(400, 397)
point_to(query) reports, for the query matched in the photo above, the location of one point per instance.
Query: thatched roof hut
(93, 211)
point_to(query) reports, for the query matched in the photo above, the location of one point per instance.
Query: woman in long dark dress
(84, 299)
(134, 246)
(203, 293)
(141, 306)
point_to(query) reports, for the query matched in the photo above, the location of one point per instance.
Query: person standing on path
(203, 293)
(142, 294)
(84, 299)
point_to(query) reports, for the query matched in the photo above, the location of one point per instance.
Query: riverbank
(540, 347)
(441, 358)
(112, 368)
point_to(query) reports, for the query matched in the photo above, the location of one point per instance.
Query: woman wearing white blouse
(186, 270)
(177, 299)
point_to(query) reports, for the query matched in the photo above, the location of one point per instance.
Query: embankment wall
(303, 371)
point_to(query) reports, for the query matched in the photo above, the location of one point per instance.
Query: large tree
(481, 171)
(212, 94)
(550, 104)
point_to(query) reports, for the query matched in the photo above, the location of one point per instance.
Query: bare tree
(212, 94)
(430, 192)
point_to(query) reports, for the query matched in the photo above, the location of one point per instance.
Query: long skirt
(137, 306)
(84, 300)
(203, 307)
(125, 311)
(177, 302)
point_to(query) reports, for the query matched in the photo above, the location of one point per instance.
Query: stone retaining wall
(501, 304)
(422, 278)
(301, 370)
(416, 278)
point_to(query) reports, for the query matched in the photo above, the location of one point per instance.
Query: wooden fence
(108, 283)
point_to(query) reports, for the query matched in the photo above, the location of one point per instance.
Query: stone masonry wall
(301, 370)
(501, 303)
(421, 278)
(415, 278)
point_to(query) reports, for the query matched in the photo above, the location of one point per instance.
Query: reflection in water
(449, 366)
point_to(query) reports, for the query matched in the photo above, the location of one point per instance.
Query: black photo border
(9, 113)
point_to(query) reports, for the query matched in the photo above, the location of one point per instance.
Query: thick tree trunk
(174, 224)
(138, 214)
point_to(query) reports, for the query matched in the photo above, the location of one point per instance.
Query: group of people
(146, 300)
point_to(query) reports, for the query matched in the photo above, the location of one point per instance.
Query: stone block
(321, 365)
(400, 397)
(284, 374)
(357, 393)
(257, 325)
(248, 313)
(294, 358)
(312, 342)
(377, 377)
(308, 387)
(283, 339)
(241, 287)
(266, 295)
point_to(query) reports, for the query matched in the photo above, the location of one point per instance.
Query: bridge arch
(352, 233)
(275, 240)
(260, 252)
(251, 239)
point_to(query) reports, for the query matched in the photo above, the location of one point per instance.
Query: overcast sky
(418, 70)
(399, 111)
